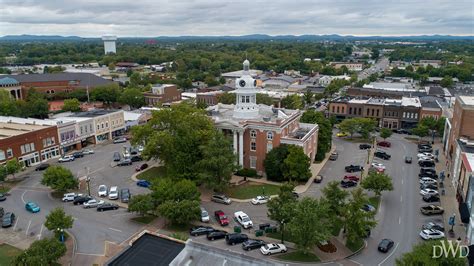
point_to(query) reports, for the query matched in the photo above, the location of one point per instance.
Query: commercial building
(12, 86)
(162, 93)
(351, 66)
(106, 124)
(256, 128)
(461, 124)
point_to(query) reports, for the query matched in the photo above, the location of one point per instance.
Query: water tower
(109, 44)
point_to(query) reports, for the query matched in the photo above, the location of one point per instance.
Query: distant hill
(251, 37)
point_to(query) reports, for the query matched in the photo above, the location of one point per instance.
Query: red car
(384, 144)
(351, 177)
(221, 218)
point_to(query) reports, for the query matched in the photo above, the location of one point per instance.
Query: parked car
(354, 168)
(318, 179)
(431, 210)
(403, 131)
(107, 207)
(333, 156)
(270, 249)
(221, 199)
(32, 207)
(425, 149)
(342, 134)
(260, 200)
(217, 234)
(42, 167)
(8, 219)
(434, 225)
(3, 197)
(431, 198)
(348, 183)
(204, 215)
(429, 174)
(201, 230)
(384, 144)
(124, 195)
(102, 191)
(426, 163)
(120, 140)
(66, 158)
(427, 170)
(81, 200)
(429, 234)
(243, 219)
(431, 186)
(113, 193)
(87, 151)
(124, 162)
(252, 244)
(427, 180)
(141, 167)
(365, 146)
(424, 145)
(385, 245)
(78, 154)
(69, 197)
(428, 191)
(351, 177)
(408, 159)
(382, 155)
(378, 166)
(143, 183)
(117, 156)
(221, 218)
(93, 203)
(137, 158)
(425, 155)
(236, 238)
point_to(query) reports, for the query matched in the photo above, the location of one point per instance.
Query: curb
(134, 176)
(357, 251)
(249, 200)
(74, 243)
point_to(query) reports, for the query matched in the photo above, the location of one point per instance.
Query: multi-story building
(12, 86)
(351, 66)
(461, 124)
(29, 140)
(430, 108)
(256, 128)
(162, 93)
(106, 124)
(410, 116)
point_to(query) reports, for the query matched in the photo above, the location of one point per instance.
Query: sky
(150, 18)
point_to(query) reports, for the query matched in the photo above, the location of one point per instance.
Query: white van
(69, 197)
(113, 193)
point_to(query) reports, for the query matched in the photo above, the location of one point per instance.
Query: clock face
(242, 83)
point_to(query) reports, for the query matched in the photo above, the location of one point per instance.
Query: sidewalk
(448, 200)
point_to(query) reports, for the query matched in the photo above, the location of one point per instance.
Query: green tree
(218, 162)
(447, 82)
(423, 254)
(356, 220)
(366, 126)
(226, 98)
(181, 212)
(107, 93)
(440, 124)
(310, 224)
(385, 133)
(58, 219)
(132, 97)
(335, 196)
(72, 105)
(59, 179)
(377, 182)
(349, 125)
(12, 167)
(174, 136)
(8, 106)
(141, 203)
(429, 122)
(41, 252)
(296, 166)
(308, 97)
(263, 99)
(420, 131)
(324, 133)
(111, 66)
(281, 208)
(135, 79)
(292, 102)
(273, 162)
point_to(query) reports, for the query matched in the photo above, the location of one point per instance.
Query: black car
(431, 198)
(8, 219)
(382, 155)
(216, 235)
(385, 245)
(404, 131)
(424, 145)
(426, 163)
(408, 159)
(2, 197)
(348, 183)
(201, 230)
(430, 186)
(354, 168)
(124, 195)
(428, 174)
(365, 146)
(42, 167)
(78, 154)
(81, 199)
(295, 195)
(232, 239)
(107, 207)
(136, 158)
(252, 244)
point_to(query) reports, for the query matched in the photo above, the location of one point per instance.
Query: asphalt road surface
(381, 64)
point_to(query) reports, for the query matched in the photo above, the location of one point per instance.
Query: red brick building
(162, 93)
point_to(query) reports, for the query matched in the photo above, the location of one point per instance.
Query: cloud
(211, 17)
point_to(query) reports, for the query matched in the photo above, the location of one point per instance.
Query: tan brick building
(461, 124)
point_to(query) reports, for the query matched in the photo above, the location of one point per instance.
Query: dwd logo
(449, 249)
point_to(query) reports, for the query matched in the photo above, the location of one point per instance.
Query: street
(380, 66)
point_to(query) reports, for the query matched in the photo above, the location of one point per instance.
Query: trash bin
(237, 229)
(271, 229)
(258, 232)
(263, 226)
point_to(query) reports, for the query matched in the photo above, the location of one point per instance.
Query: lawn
(152, 173)
(251, 190)
(144, 219)
(277, 235)
(7, 253)
(374, 201)
(354, 246)
(299, 256)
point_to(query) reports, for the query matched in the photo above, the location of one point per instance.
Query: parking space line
(28, 228)
(22, 195)
(41, 231)
(399, 220)
(16, 222)
(402, 181)
(117, 230)
(401, 198)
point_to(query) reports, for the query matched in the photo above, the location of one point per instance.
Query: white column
(241, 148)
(235, 142)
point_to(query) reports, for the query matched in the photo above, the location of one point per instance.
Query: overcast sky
(92, 18)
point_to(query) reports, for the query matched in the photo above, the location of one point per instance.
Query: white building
(109, 44)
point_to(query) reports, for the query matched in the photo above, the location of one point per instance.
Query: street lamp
(282, 230)
(88, 180)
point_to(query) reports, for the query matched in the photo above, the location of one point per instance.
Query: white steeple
(246, 103)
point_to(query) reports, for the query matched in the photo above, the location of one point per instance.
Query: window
(2, 155)
(338, 109)
(106, 124)
(253, 162)
(91, 127)
(360, 111)
(373, 112)
(343, 109)
(350, 110)
(9, 153)
(242, 99)
(367, 112)
(269, 146)
(98, 127)
(333, 108)
(253, 134)
(102, 125)
(377, 112)
(253, 145)
(270, 135)
(416, 115)
(81, 130)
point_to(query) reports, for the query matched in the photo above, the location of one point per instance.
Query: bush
(247, 172)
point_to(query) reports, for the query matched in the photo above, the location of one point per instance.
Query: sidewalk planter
(258, 233)
(237, 229)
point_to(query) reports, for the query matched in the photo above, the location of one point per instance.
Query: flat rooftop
(411, 101)
(467, 100)
(93, 113)
(8, 130)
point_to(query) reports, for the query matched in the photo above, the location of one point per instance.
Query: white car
(270, 249)
(140, 148)
(113, 193)
(66, 158)
(427, 180)
(378, 166)
(259, 200)
(431, 234)
(102, 191)
(428, 191)
(69, 197)
(425, 155)
(87, 151)
(93, 203)
(243, 219)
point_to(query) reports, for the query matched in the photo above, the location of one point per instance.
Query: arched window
(253, 134)
(269, 135)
